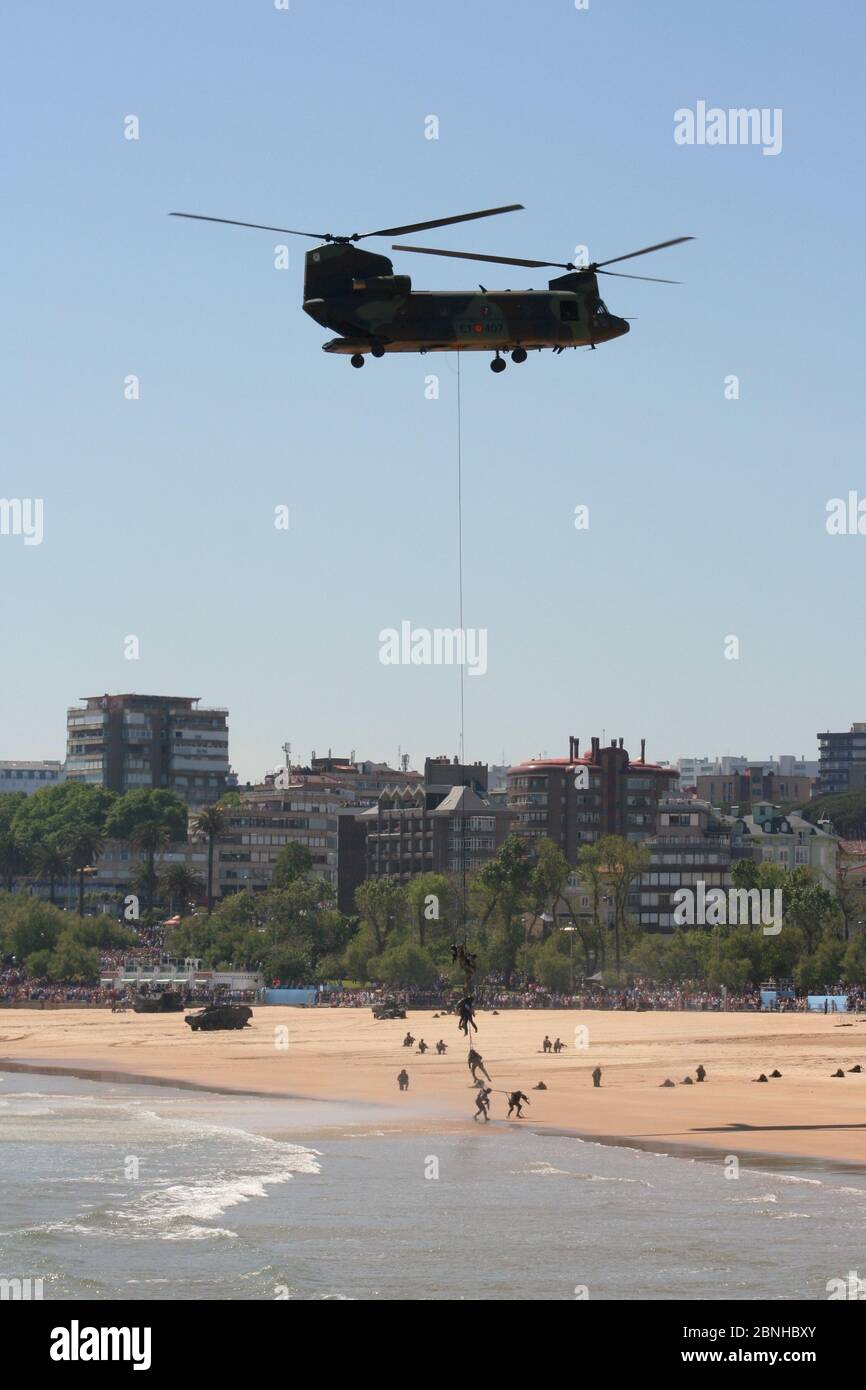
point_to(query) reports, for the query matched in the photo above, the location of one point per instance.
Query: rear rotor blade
(476, 256)
(621, 275)
(230, 221)
(439, 222)
(643, 252)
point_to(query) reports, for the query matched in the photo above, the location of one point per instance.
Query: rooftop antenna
(287, 749)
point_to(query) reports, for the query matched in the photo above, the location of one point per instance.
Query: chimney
(595, 748)
(620, 743)
(643, 750)
(576, 749)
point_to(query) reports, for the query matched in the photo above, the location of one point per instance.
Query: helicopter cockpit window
(569, 310)
(601, 310)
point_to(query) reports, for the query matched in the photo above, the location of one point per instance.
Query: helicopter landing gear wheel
(356, 359)
(519, 355)
(377, 350)
(498, 364)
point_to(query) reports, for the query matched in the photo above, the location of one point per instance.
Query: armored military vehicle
(220, 1016)
(389, 1008)
(166, 1002)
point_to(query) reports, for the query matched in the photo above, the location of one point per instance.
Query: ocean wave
(765, 1197)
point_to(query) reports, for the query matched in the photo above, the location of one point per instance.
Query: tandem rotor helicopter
(357, 294)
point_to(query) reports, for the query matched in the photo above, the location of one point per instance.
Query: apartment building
(128, 742)
(577, 800)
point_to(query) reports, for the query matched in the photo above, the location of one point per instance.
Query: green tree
(808, 906)
(81, 847)
(72, 961)
(150, 838)
(551, 964)
(208, 825)
(54, 812)
(426, 894)
(49, 861)
(180, 886)
(590, 868)
(622, 861)
(30, 925)
(405, 964)
(845, 810)
(14, 859)
(293, 861)
(820, 969)
(148, 806)
(382, 905)
(501, 892)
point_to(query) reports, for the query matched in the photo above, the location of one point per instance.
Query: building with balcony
(692, 845)
(310, 811)
(842, 761)
(129, 742)
(434, 827)
(579, 799)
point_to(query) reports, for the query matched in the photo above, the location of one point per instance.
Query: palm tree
(50, 862)
(80, 847)
(149, 838)
(207, 825)
(13, 859)
(180, 884)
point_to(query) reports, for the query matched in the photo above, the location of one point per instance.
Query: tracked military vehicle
(220, 1016)
(167, 1002)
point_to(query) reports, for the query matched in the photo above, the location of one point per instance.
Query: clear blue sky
(706, 515)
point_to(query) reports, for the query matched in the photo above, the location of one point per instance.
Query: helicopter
(356, 293)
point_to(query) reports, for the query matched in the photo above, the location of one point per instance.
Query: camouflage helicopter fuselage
(357, 294)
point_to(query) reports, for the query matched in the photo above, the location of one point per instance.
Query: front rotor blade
(473, 256)
(440, 222)
(230, 221)
(660, 246)
(621, 275)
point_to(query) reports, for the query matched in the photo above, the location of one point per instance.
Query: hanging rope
(461, 953)
(462, 742)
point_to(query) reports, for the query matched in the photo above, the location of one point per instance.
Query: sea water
(117, 1192)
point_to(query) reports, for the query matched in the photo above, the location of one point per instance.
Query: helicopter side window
(569, 310)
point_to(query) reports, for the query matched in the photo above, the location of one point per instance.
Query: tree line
(527, 914)
(56, 836)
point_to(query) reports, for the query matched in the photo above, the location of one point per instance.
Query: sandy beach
(344, 1054)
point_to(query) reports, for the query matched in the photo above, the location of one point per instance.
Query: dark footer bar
(224, 1338)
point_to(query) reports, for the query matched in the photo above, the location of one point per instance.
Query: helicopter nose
(622, 326)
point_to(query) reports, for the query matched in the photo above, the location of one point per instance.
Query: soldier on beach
(515, 1100)
(440, 1047)
(596, 1076)
(403, 1079)
(475, 1062)
(482, 1104)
